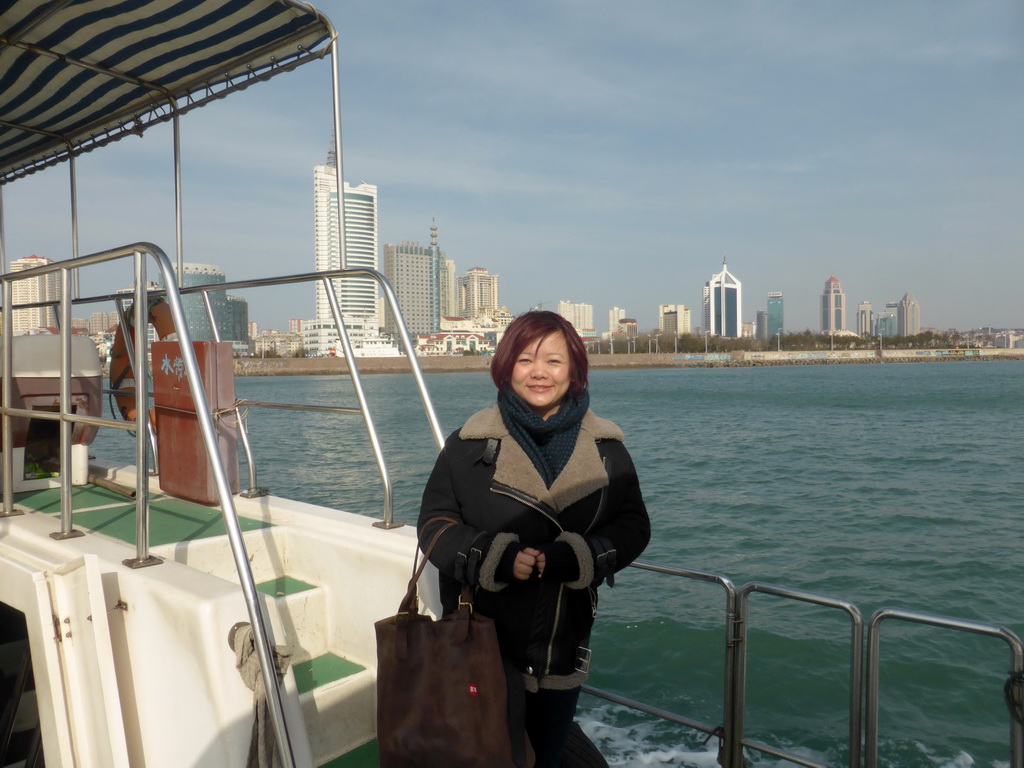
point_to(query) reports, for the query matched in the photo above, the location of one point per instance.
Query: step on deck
(283, 586)
(322, 671)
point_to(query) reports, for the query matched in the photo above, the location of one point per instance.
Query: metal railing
(863, 694)
(145, 437)
(944, 622)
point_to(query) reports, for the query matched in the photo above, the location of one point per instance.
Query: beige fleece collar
(583, 474)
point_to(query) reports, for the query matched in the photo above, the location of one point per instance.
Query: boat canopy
(78, 74)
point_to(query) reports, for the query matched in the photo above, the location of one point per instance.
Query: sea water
(884, 485)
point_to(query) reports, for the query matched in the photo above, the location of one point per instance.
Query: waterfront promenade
(319, 366)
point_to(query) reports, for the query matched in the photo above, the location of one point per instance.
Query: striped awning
(77, 74)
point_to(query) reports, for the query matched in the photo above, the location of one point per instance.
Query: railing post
(67, 529)
(140, 368)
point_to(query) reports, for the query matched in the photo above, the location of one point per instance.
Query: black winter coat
(486, 482)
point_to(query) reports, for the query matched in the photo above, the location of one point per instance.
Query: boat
(169, 611)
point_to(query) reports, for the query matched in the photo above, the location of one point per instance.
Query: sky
(613, 154)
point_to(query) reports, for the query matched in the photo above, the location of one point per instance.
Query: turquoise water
(886, 485)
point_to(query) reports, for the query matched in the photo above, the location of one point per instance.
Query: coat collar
(583, 474)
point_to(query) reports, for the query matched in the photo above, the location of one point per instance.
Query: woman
(549, 507)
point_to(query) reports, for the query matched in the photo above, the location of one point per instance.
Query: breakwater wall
(326, 366)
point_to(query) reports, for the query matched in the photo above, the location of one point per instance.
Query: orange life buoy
(121, 378)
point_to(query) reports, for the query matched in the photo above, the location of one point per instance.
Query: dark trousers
(549, 715)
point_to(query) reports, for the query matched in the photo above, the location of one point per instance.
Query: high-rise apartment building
(615, 315)
(414, 272)
(580, 315)
(673, 319)
(477, 293)
(865, 318)
(776, 316)
(357, 296)
(449, 294)
(908, 316)
(833, 307)
(723, 304)
(101, 322)
(31, 290)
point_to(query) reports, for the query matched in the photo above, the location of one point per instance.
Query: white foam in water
(642, 743)
(959, 760)
(653, 742)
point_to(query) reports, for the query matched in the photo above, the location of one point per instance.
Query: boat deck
(194, 535)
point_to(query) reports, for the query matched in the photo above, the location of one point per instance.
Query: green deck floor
(366, 756)
(322, 670)
(282, 586)
(170, 520)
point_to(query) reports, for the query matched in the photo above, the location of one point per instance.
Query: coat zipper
(604, 495)
(554, 627)
(524, 498)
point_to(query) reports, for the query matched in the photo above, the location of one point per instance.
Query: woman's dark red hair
(529, 329)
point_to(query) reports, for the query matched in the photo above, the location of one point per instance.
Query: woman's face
(542, 374)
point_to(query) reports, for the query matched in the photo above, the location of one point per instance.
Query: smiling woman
(548, 506)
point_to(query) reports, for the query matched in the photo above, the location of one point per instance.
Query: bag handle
(408, 604)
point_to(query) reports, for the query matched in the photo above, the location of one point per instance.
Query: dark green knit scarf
(549, 444)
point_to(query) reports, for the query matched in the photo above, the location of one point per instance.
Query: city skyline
(611, 155)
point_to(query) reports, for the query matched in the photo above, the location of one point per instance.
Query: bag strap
(408, 604)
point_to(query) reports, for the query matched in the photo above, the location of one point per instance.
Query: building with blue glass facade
(723, 304)
(775, 314)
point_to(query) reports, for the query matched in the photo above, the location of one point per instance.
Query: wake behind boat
(142, 602)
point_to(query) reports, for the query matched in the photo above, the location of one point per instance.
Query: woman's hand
(526, 561)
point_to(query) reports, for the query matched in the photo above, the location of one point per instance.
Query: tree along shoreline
(326, 366)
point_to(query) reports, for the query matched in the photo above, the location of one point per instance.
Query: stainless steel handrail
(856, 673)
(944, 622)
(728, 705)
(737, 616)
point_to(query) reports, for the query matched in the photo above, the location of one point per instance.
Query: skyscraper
(477, 293)
(761, 325)
(833, 307)
(357, 296)
(723, 305)
(776, 321)
(415, 273)
(449, 295)
(885, 320)
(865, 316)
(33, 289)
(231, 313)
(908, 316)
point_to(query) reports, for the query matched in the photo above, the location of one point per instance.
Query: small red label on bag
(472, 690)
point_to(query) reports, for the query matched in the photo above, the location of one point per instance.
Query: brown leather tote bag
(441, 690)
